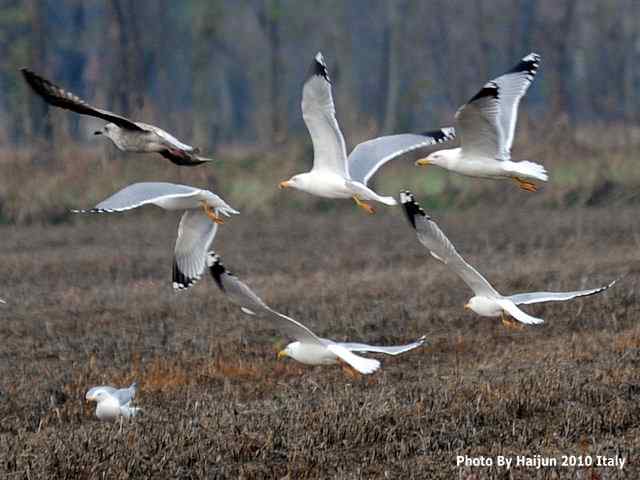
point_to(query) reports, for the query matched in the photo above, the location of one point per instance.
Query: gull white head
(97, 394)
(109, 130)
(484, 307)
(441, 158)
(289, 351)
(299, 182)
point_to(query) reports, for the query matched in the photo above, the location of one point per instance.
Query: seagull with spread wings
(127, 135)
(198, 224)
(486, 301)
(307, 348)
(334, 175)
(486, 125)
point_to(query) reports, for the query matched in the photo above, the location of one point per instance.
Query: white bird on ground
(113, 404)
(486, 125)
(197, 227)
(486, 301)
(307, 348)
(333, 174)
(127, 135)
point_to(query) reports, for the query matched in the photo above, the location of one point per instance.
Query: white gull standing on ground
(198, 224)
(486, 301)
(307, 348)
(486, 125)
(333, 174)
(112, 403)
(127, 135)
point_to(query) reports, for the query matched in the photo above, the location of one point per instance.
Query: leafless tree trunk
(126, 89)
(269, 19)
(391, 67)
(41, 129)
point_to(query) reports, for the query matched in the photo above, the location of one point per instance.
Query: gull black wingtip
(441, 135)
(490, 90)
(216, 268)
(411, 207)
(529, 64)
(180, 280)
(319, 67)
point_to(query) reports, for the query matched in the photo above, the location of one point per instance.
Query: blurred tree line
(231, 71)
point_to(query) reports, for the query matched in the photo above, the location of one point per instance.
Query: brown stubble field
(90, 302)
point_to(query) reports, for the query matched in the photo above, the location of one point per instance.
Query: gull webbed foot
(211, 213)
(510, 323)
(365, 206)
(526, 185)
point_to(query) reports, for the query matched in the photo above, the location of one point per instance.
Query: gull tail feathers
(361, 364)
(130, 411)
(366, 193)
(528, 170)
(388, 200)
(227, 210)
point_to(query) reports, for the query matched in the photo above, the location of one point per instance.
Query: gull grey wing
(140, 194)
(477, 124)
(196, 231)
(125, 395)
(233, 288)
(541, 297)
(240, 294)
(104, 388)
(292, 328)
(58, 97)
(365, 160)
(512, 86)
(430, 235)
(390, 350)
(319, 114)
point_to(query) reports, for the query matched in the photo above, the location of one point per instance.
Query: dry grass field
(90, 302)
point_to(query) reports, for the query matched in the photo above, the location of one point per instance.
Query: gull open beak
(467, 306)
(97, 132)
(284, 184)
(423, 162)
(281, 354)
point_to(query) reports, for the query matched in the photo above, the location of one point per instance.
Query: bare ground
(90, 302)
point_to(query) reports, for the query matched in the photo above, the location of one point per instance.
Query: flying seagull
(112, 403)
(127, 135)
(486, 125)
(307, 348)
(197, 227)
(333, 174)
(486, 301)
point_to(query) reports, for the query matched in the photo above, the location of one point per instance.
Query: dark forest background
(227, 76)
(222, 71)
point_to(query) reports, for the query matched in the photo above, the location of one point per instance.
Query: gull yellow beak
(284, 184)
(423, 162)
(467, 306)
(281, 354)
